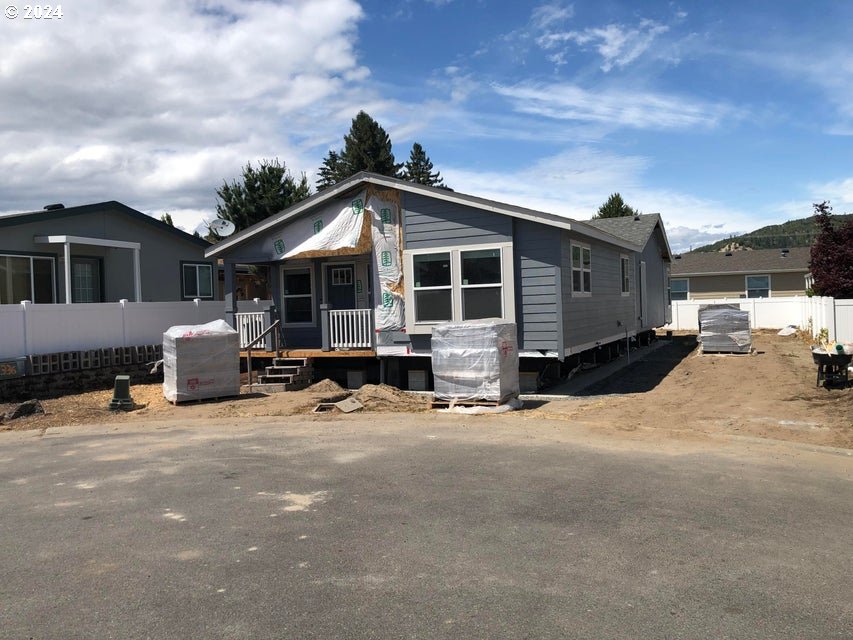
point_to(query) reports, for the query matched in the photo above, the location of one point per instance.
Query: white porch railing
(351, 328)
(249, 326)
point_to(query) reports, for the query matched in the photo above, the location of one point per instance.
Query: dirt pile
(381, 397)
(326, 386)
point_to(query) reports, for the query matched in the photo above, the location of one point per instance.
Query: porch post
(137, 277)
(230, 296)
(67, 273)
(324, 327)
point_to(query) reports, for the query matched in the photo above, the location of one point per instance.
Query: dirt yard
(675, 392)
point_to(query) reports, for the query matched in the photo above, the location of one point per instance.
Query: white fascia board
(99, 242)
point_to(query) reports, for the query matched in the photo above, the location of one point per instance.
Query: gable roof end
(364, 178)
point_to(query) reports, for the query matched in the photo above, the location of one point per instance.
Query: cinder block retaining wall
(56, 374)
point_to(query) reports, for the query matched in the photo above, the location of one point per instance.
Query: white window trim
(32, 273)
(758, 275)
(443, 287)
(196, 265)
(671, 280)
(582, 246)
(337, 270)
(626, 261)
(299, 267)
(507, 282)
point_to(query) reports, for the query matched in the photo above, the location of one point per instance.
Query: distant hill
(794, 233)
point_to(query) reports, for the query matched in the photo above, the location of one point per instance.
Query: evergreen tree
(262, 192)
(331, 172)
(167, 218)
(615, 207)
(367, 147)
(419, 167)
(832, 255)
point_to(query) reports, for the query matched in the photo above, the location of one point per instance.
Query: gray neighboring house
(744, 273)
(570, 286)
(102, 252)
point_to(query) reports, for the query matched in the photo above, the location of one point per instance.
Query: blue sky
(721, 116)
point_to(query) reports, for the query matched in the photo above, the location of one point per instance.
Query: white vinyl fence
(33, 329)
(809, 314)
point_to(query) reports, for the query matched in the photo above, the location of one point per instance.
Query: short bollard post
(121, 395)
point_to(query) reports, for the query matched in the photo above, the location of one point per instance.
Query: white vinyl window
(298, 296)
(757, 286)
(482, 286)
(197, 280)
(679, 289)
(432, 287)
(26, 278)
(626, 275)
(470, 282)
(581, 270)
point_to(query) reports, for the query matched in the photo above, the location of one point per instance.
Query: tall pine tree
(419, 169)
(367, 147)
(263, 192)
(615, 207)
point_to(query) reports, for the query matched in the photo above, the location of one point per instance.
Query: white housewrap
(334, 227)
(201, 361)
(389, 310)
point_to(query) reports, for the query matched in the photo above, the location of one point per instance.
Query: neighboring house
(100, 252)
(374, 252)
(756, 273)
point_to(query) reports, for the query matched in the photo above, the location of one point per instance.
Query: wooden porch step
(273, 387)
(281, 369)
(291, 362)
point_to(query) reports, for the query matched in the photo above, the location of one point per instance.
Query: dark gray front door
(340, 286)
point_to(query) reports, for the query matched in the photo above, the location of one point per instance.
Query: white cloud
(546, 15)
(617, 107)
(618, 45)
(156, 103)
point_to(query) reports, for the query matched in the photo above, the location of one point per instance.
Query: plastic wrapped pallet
(724, 328)
(475, 360)
(201, 361)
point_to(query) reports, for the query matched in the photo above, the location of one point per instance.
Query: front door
(340, 286)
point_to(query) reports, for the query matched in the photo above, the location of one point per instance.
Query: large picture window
(757, 286)
(26, 278)
(433, 287)
(197, 280)
(482, 289)
(581, 270)
(679, 289)
(298, 296)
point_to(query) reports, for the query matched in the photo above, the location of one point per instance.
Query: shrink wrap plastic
(475, 360)
(201, 361)
(725, 328)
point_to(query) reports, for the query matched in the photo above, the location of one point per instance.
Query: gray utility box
(724, 328)
(475, 360)
(201, 361)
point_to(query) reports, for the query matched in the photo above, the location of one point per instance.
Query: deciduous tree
(832, 255)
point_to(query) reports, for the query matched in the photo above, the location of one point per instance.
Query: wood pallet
(447, 404)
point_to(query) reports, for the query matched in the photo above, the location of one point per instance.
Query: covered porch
(321, 307)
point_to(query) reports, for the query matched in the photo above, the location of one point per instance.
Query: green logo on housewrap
(387, 300)
(386, 258)
(357, 207)
(385, 215)
(318, 226)
(278, 246)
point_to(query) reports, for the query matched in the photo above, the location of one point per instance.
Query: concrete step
(274, 387)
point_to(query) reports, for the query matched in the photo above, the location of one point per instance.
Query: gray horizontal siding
(537, 284)
(429, 223)
(591, 318)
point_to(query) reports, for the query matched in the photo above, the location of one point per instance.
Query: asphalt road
(441, 527)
